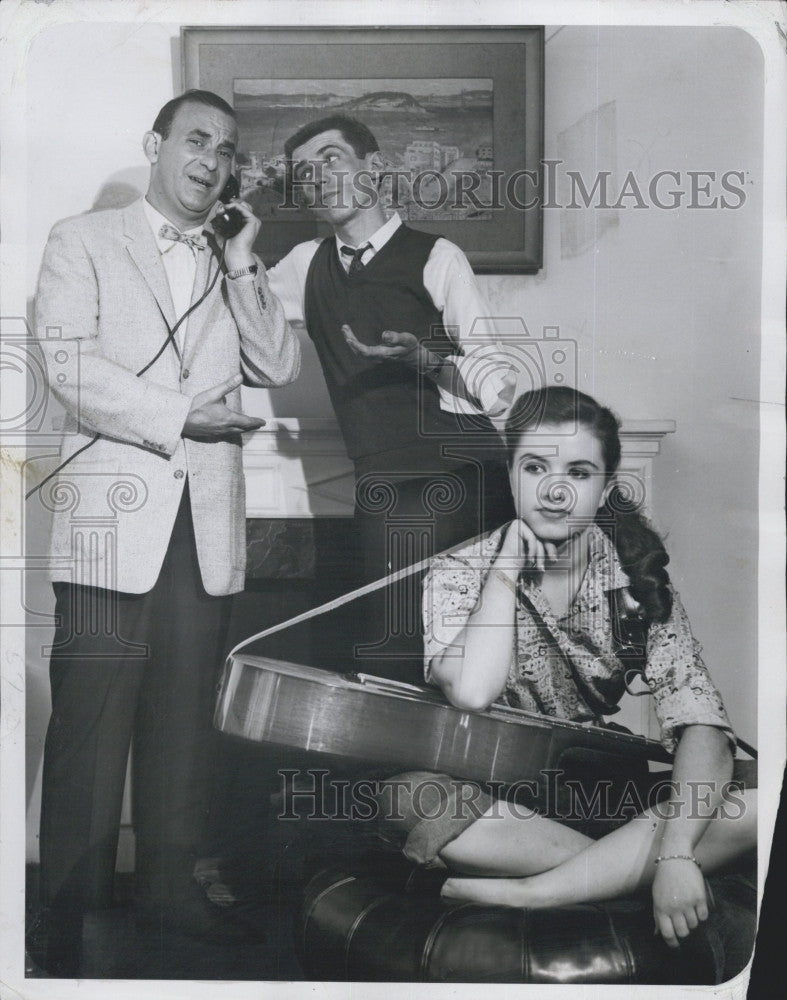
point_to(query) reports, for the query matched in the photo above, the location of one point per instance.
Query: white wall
(664, 307)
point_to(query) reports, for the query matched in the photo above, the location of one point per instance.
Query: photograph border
(760, 20)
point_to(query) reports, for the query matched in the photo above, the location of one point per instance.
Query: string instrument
(370, 720)
(364, 719)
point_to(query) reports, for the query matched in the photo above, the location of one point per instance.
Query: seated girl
(522, 616)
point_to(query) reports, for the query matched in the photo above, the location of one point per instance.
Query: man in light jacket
(148, 536)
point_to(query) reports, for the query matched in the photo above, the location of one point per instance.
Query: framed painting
(458, 114)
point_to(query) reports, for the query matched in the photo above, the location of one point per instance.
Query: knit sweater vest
(390, 418)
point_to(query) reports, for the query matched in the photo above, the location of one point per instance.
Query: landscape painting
(458, 114)
(435, 135)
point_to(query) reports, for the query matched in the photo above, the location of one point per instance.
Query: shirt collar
(604, 558)
(156, 220)
(379, 238)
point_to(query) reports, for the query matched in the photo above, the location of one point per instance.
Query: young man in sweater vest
(388, 309)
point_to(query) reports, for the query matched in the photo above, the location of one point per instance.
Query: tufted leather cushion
(375, 917)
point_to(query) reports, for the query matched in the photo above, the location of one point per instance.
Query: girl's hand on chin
(521, 549)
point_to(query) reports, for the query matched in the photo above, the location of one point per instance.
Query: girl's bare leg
(616, 865)
(512, 840)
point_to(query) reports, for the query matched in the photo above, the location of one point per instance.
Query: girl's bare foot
(489, 891)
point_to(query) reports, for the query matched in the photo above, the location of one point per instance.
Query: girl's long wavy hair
(640, 550)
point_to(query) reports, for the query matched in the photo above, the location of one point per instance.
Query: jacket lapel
(143, 250)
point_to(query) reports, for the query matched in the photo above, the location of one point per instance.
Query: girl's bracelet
(678, 857)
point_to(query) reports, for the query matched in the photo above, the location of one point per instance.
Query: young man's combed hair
(353, 132)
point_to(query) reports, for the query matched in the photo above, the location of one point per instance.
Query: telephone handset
(229, 221)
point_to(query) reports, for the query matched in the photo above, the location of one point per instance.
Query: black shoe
(189, 912)
(170, 898)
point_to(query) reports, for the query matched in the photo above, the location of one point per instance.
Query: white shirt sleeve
(287, 280)
(483, 364)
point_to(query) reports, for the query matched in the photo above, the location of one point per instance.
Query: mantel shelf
(325, 426)
(298, 467)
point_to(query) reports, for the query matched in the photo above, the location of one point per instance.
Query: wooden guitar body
(360, 718)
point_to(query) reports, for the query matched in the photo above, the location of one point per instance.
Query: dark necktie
(356, 264)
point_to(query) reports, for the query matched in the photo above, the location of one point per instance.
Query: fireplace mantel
(298, 468)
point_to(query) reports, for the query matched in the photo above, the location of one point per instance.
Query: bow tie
(168, 232)
(356, 264)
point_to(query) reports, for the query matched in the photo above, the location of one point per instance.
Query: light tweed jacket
(101, 294)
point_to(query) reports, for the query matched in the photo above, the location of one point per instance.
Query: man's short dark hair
(353, 132)
(166, 116)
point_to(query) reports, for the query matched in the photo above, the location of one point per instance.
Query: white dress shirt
(451, 284)
(180, 263)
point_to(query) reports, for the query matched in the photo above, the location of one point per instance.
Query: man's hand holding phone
(238, 248)
(235, 221)
(210, 419)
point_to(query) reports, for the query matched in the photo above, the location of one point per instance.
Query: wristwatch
(240, 271)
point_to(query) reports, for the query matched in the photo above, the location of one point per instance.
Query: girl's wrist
(512, 552)
(678, 839)
(677, 857)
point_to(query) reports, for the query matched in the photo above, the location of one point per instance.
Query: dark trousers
(122, 666)
(402, 519)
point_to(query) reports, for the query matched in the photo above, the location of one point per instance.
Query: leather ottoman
(373, 916)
